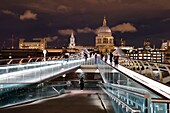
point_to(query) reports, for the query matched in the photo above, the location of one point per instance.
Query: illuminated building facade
(165, 45)
(39, 43)
(147, 44)
(147, 53)
(104, 38)
(154, 55)
(166, 48)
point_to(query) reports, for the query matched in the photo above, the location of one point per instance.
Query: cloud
(65, 31)
(7, 12)
(144, 26)
(50, 39)
(55, 7)
(48, 6)
(85, 30)
(63, 9)
(166, 19)
(125, 27)
(28, 15)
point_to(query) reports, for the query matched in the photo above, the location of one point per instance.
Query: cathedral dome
(104, 38)
(104, 29)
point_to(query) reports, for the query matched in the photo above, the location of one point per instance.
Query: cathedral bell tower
(72, 41)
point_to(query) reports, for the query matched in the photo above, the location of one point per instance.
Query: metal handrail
(155, 100)
(152, 66)
(128, 108)
(129, 91)
(19, 60)
(37, 74)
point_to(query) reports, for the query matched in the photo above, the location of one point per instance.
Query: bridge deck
(75, 102)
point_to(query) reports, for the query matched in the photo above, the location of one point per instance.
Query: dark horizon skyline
(129, 19)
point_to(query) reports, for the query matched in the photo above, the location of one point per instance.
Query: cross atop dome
(104, 28)
(104, 22)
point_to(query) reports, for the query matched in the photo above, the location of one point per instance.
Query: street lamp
(44, 52)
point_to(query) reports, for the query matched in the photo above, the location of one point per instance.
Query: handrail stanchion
(160, 73)
(143, 67)
(151, 70)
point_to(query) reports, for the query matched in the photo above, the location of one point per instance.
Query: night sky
(133, 20)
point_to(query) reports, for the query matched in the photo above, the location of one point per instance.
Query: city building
(146, 53)
(165, 47)
(89, 48)
(73, 48)
(104, 38)
(153, 55)
(147, 44)
(167, 56)
(37, 43)
(123, 45)
(122, 42)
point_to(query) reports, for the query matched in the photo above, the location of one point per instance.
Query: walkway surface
(75, 102)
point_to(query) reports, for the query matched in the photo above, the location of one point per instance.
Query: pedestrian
(116, 59)
(85, 56)
(81, 83)
(98, 58)
(102, 55)
(106, 57)
(66, 56)
(111, 57)
(68, 83)
(95, 58)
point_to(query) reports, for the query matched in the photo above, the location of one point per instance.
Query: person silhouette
(111, 57)
(106, 57)
(116, 59)
(81, 83)
(85, 56)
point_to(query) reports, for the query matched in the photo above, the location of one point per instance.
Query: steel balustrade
(27, 60)
(38, 71)
(122, 93)
(147, 68)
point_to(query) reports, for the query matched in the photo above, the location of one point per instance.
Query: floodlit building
(147, 53)
(153, 55)
(147, 44)
(39, 43)
(165, 45)
(73, 48)
(104, 38)
(123, 45)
